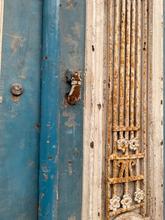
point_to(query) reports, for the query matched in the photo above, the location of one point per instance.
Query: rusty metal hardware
(74, 80)
(17, 89)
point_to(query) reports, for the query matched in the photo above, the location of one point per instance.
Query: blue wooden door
(19, 115)
(61, 145)
(41, 141)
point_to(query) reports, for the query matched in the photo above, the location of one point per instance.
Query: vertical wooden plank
(93, 112)
(49, 141)
(62, 124)
(72, 55)
(156, 115)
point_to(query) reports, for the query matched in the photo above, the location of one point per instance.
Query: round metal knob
(17, 89)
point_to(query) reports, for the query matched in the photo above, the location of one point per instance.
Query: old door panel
(19, 116)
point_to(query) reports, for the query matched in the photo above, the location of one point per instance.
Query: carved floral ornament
(139, 196)
(116, 202)
(126, 201)
(123, 144)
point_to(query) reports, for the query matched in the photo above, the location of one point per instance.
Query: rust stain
(72, 217)
(125, 179)
(69, 4)
(126, 138)
(75, 93)
(15, 98)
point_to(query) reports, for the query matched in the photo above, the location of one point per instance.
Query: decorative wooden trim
(151, 127)
(128, 56)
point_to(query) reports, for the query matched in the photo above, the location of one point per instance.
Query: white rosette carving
(126, 201)
(134, 144)
(122, 144)
(115, 203)
(139, 196)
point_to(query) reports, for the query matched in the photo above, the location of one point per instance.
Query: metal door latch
(74, 79)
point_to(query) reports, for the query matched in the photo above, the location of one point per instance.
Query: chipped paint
(70, 119)
(72, 217)
(17, 41)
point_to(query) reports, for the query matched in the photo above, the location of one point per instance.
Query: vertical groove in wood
(122, 73)
(138, 82)
(122, 64)
(132, 95)
(110, 53)
(127, 73)
(144, 90)
(128, 51)
(116, 81)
